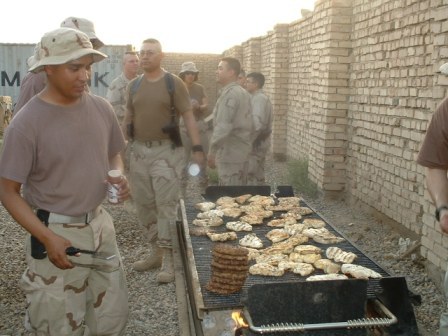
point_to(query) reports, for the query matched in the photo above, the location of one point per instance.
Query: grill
(198, 258)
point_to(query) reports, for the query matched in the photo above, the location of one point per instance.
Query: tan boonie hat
(188, 67)
(35, 57)
(86, 27)
(63, 45)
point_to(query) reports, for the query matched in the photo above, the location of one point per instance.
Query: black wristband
(438, 210)
(197, 148)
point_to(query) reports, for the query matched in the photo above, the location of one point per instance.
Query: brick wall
(205, 63)
(354, 84)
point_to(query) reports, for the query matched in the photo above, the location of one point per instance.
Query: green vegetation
(212, 176)
(298, 175)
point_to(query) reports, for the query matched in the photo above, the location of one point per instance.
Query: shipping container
(13, 68)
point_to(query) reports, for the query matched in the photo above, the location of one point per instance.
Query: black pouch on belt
(37, 248)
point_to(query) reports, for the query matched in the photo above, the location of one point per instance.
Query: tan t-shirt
(434, 150)
(150, 107)
(61, 154)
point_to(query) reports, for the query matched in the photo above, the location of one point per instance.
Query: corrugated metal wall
(13, 68)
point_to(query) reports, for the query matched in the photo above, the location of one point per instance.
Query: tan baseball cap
(63, 45)
(84, 25)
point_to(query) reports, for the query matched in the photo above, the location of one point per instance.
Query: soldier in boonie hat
(63, 45)
(86, 27)
(61, 131)
(188, 67)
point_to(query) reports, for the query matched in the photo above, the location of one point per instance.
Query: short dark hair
(233, 64)
(196, 76)
(153, 41)
(257, 77)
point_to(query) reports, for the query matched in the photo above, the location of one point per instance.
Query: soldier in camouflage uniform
(199, 102)
(60, 148)
(262, 114)
(156, 163)
(231, 141)
(116, 92)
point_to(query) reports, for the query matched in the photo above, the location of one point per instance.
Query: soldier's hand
(56, 252)
(211, 161)
(124, 191)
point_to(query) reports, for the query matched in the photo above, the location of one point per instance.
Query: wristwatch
(198, 148)
(439, 209)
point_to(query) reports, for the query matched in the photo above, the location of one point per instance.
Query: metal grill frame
(198, 259)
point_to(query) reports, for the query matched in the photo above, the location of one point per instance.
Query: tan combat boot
(166, 274)
(154, 260)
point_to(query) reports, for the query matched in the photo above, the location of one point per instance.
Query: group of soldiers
(235, 136)
(63, 140)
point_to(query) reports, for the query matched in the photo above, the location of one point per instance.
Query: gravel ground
(153, 307)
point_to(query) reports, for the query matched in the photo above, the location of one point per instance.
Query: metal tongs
(71, 251)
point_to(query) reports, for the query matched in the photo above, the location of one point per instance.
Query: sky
(194, 26)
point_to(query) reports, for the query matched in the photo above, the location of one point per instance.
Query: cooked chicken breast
(303, 269)
(322, 277)
(307, 249)
(277, 235)
(252, 219)
(225, 200)
(293, 229)
(296, 216)
(265, 269)
(327, 266)
(253, 253)
(242, 198)
(251, 240)
(238, 226)
(339, 255)
(272, 259)
(287, 265)
(205, 206)
(322, 236)
(281, 222)
(359, 272)
(222, 236)
(210, 214)
(304, 258)
(313, 223)
(214, 221)
(233, 212)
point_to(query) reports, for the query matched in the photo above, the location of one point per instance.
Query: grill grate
(202, 247)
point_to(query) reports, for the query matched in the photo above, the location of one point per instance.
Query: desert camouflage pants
(232, 174)
(255, 174)
(155, 186)
(86, 300)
